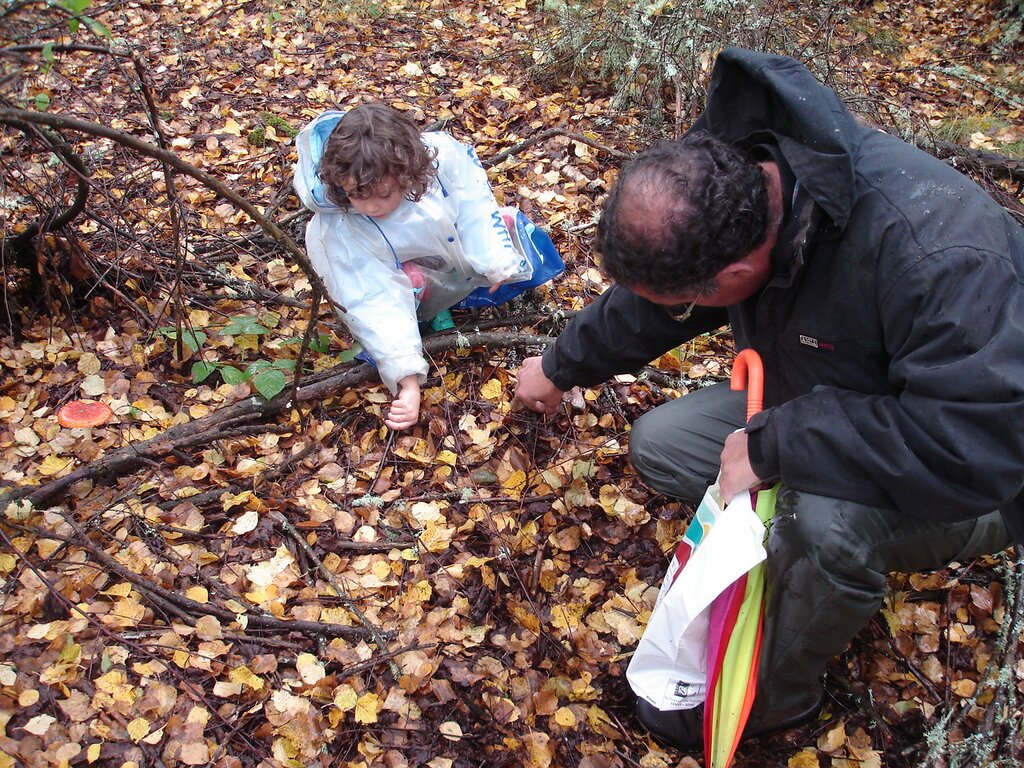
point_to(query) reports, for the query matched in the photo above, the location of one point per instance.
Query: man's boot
(683, 729)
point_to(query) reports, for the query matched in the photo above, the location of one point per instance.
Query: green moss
(958, 131)
(279, 124)
(886, 41)
(1014, 149)
(257, 137)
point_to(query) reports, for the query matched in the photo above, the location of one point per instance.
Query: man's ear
(738, 270)
(756, 265)
(743, 277)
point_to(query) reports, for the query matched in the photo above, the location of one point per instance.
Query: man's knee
(676, 448)
(828, 534)
(864, 543)
(661, 462)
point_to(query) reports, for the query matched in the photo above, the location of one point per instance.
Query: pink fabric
(420, 286)
(724, 610)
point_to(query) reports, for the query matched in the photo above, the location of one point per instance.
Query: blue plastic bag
(543, 256)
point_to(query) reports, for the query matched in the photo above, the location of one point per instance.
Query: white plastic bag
(669, 666)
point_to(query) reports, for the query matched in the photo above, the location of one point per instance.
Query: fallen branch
(544, 136)
(998, 166)
(53, 220)
(251, 411)
(986, 746)
(17, 117)
(196, 609)
(339, 591)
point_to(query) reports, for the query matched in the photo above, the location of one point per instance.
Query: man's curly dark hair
(371, 143)
(680, 212)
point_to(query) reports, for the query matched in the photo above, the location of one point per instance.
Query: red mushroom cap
(84, 413)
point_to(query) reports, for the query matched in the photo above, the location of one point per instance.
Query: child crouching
(404, 227)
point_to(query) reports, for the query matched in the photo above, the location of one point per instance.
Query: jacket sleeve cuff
(762, 447)
(549, 364)
(393, 369)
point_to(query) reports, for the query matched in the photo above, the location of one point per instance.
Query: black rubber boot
(683, 729)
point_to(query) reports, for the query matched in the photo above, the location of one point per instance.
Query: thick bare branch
(252, 410)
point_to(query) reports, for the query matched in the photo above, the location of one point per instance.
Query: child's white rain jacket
(454, 233)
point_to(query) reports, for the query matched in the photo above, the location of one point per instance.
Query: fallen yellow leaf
(345, 697)
(492, 390)
(806, 758)
(245, 676)
(138, 728)
(231, 126)
(55, 465)
(450, 730)
(367, 708)
(565, 717)
(515, 484)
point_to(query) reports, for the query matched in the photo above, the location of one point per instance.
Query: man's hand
(405, 408)
(535, 390)
(737, 474)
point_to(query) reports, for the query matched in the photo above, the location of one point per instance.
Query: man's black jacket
(892, 331)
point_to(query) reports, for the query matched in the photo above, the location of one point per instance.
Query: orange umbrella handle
(748, 374)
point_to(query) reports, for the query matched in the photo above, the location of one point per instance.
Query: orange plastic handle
(748, 374)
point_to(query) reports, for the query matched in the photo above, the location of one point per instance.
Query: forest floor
(210, 578)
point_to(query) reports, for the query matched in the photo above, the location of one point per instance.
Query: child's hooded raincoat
(454, 234)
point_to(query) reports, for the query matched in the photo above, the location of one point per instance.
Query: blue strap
(398, 263)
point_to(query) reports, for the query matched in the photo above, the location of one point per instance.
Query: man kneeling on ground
(884, 292)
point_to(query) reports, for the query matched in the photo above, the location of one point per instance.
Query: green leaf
(270, 382)
(350, 354)
(42, 102)
(232, 375)
(244, 325)
(75, 6)
(285, 364)
(48, 53)
(484, 476)
(97, 27)
(192, 339)
(319, 343)
(73, 25)
(257, 367)
(201, 371)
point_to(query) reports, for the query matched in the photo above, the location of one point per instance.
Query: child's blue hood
(310, 144)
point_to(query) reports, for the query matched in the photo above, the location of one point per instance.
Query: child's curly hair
(369, 144)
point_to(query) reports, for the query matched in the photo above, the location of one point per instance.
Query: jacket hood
(310, 145)
(754, 96)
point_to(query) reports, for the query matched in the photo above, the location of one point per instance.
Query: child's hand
(405, 408)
